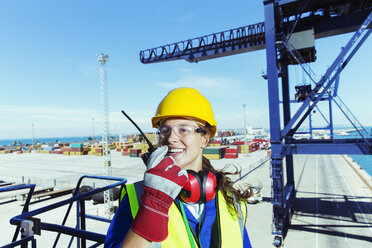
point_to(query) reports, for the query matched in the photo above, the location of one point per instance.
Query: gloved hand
(163, 181)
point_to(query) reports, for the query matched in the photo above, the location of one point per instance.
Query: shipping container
(47, 148)
(261, 141)
(214, 144)
(244, 149)
(231, 150)
(212, 156)
(238, 142)
(73, 149)
(76, 145)
(212, 150)
(231, 155)
(135, 151)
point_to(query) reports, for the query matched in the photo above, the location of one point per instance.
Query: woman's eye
(182, 130)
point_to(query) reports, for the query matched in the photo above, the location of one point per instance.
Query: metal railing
(31, 226)
(24, 210)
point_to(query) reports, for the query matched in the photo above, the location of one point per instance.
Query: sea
(364, 161)
(10, 142)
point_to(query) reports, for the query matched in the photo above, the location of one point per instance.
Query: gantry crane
(285, 22)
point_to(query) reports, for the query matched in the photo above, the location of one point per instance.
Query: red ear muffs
(199, 188)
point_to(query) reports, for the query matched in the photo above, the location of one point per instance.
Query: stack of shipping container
(3, 151)
(134, 152)
(231, 153)
(214, 152)
(78, 149)
(136, 146)
(123, 148)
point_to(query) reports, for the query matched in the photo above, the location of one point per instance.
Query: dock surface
(333, 206)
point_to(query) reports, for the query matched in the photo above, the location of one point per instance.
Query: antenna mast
(105, 131)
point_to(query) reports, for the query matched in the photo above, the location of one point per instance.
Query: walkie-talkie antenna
(152, 148)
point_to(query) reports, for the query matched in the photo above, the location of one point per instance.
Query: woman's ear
(205, 141)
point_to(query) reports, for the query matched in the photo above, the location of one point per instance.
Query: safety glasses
(181, 130)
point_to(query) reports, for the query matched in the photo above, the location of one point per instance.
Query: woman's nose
(172, 137)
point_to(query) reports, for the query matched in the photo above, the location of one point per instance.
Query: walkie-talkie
(151, 149)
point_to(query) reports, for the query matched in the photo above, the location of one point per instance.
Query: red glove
(163, 181)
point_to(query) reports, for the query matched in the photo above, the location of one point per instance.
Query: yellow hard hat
(187, 103)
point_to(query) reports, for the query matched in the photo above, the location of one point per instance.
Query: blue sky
(50, 74)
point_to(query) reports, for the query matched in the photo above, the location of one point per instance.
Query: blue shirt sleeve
(120, 225)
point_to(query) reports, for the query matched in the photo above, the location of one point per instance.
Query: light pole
(102, 58)
(245, 131)
(32, 135)
(93, 129)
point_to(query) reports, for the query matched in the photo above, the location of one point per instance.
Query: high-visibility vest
(230, 225)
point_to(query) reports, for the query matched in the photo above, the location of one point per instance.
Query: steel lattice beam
(225, 43)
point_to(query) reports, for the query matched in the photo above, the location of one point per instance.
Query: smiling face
(188, 150)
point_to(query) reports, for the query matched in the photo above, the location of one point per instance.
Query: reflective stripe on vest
(231, 227)
(134, 191)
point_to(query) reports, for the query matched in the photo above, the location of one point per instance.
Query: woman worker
(185, 201)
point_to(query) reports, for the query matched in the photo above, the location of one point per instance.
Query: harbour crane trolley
(284, 21)
(302, 92)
